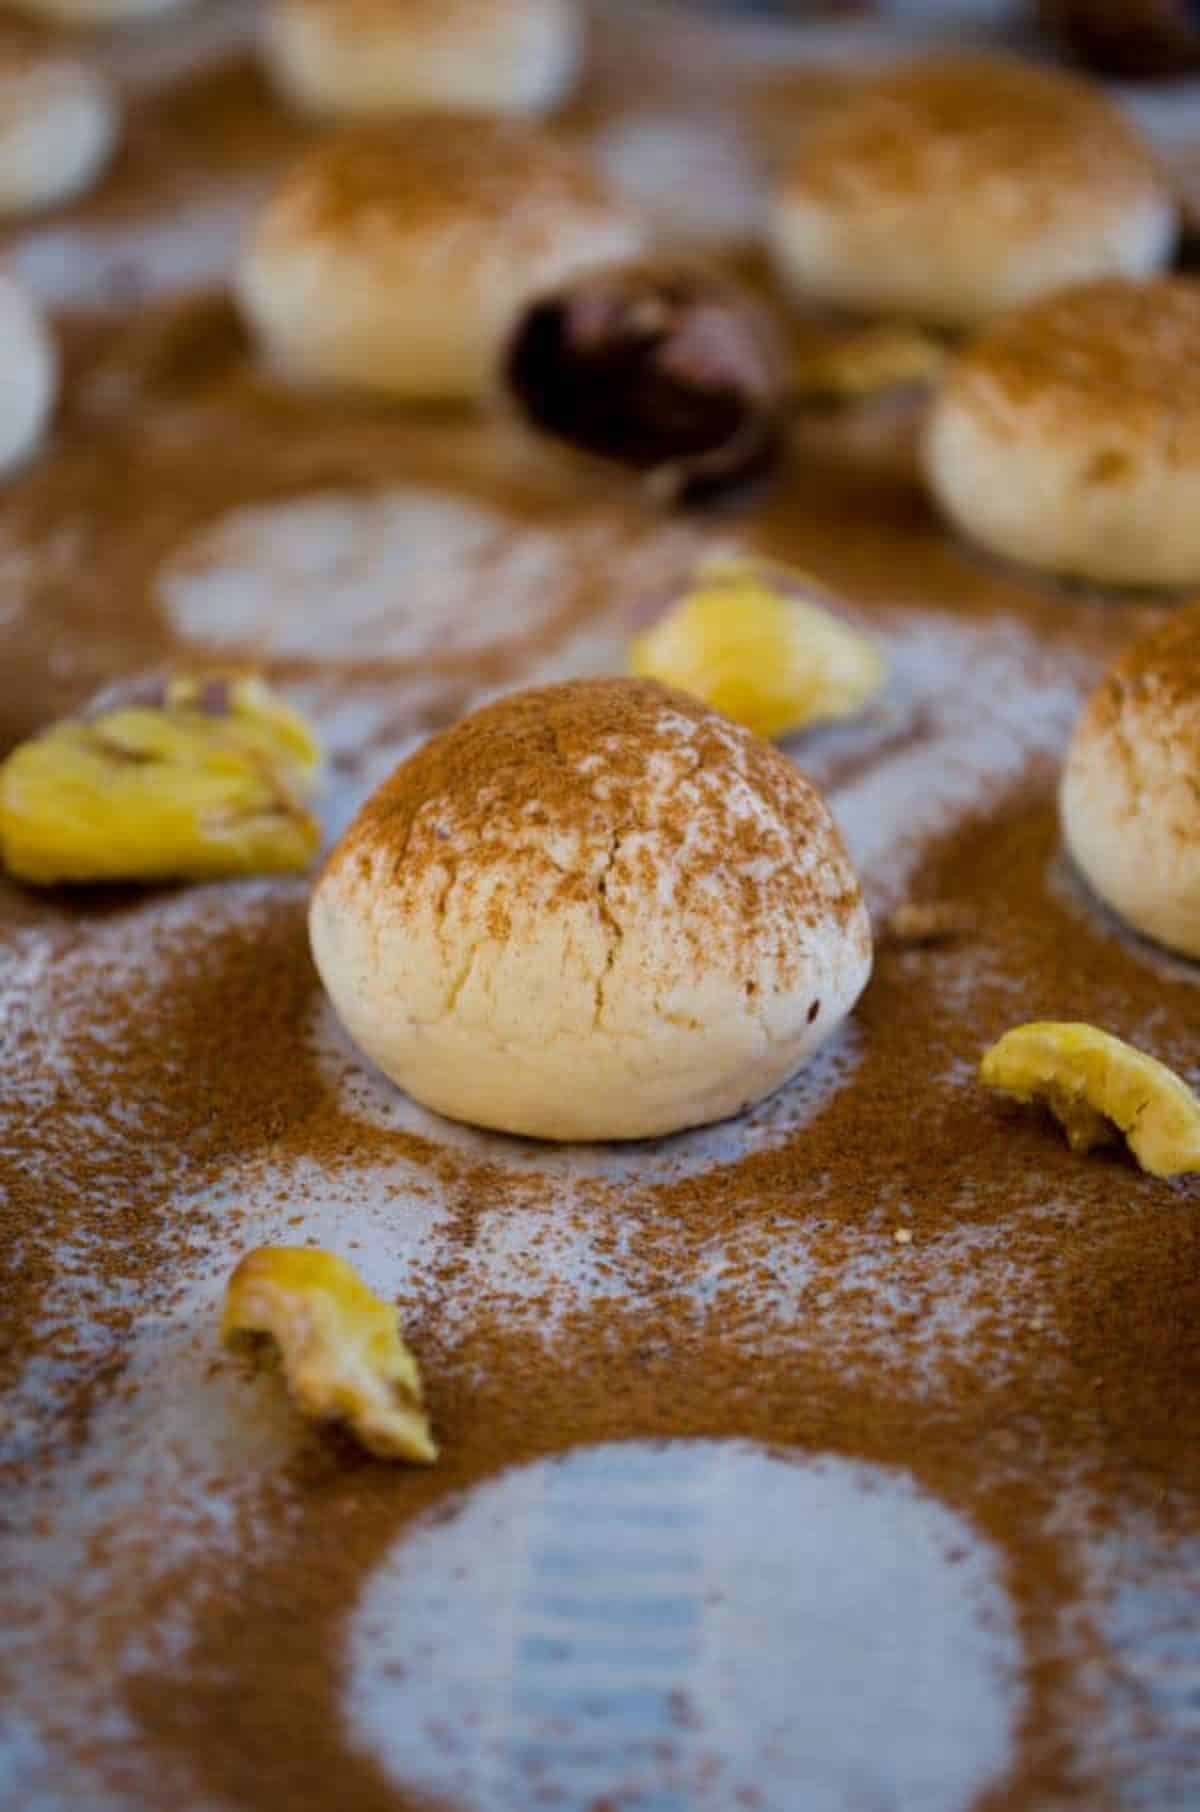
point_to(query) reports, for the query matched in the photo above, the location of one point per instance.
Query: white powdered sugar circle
(347, 574)
(96, 265)
(591, 1631)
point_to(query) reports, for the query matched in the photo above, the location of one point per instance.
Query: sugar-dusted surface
(627, 1587)
(385, 576)
(194, 1586)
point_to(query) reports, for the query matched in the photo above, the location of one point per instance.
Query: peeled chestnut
(1138, 39)
(667, 368)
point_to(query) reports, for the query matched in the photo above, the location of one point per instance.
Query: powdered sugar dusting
(613, 1639)
(382, 576)
(966, 709)
(180, 1451)
(87, 265)
(64, 1003)
(1150, 1614)
(397, 574)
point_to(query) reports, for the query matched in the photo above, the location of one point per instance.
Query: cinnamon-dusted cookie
(1131, 786)
(955, 187)
(593, 911)
(397, 259)
(351, 58)
(1068, 435)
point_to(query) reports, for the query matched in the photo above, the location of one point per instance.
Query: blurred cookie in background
(364, 58)
(951, 188)
(784, 106)
(1129, 803)
(397, 259)
(1067, 436)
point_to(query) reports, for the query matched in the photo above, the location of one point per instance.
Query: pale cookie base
(1097, 505)
(953, 273)
(1133, 830)
(368, 68)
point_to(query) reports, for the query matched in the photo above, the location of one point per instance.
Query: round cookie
(1129, 799)
(953, 188)
(592, 911)
(28, 375)
(398, 259)
(1068, 435)
(352, 58)
(58, 124)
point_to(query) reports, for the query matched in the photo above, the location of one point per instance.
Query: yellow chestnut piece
(1100, 1089)
(749, 640)
(188, 778)
(339, 1345)
(868, 363)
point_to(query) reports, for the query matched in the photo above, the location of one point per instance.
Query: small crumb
(903, 1236)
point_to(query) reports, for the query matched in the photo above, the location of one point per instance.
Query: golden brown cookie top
(545, 783)
(1032, 142)
(437, 171)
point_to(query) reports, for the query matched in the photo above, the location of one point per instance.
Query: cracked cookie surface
(592, 911)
